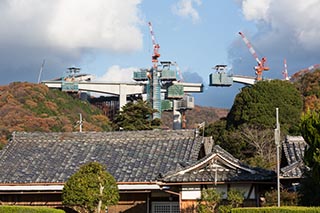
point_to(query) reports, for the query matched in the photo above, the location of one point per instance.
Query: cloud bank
(62, 31)
(299, 21)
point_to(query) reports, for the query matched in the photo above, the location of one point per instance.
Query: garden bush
(286, 209)
(28, 209)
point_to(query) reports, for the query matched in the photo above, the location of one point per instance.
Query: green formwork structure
(168, 75)
(164, 91)
(175, 91)
(69, 86)
(220, 79)
(140, 75)
(166, 105)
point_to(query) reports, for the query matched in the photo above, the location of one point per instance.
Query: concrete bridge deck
(121, 89)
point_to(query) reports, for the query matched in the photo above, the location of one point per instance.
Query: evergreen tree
(136, 116)
(310, 186)
(255, 105)
(210, 199)
(248, 132)
(310, 130)
(91, 188)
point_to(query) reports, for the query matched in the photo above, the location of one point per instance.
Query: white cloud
(99, 24)
(111, 25)
(62, 32)
(118, 74)
(255, 10)
(298, 21)
(186, 8)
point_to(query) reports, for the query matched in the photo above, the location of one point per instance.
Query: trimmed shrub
(286, 209)
(28, 209)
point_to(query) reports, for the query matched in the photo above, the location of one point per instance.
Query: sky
(110, 39)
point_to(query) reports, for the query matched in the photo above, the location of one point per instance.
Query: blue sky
(110, 38)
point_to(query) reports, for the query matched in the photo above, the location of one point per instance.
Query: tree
(255, 105)
(136, 116)
(235, 198)
(287, 198)
(310, 130)
(227, 139)
(310, 186)
(262, 141)
(210, 199)
(248, 132)
(309, 87)
(91, 188)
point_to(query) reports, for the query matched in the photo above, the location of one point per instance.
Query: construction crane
(154, 87)
(285, 71)
(156, 48)
(160, 76)
(260, 68)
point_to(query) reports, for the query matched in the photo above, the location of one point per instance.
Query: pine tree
(91, 188)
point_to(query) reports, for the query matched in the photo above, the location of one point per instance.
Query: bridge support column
(176, 116)
(122, 95)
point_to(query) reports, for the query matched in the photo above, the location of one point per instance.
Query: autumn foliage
(34, 107)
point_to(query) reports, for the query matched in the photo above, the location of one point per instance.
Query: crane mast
(261, 63)
(154, 87)
(156, 48)
(285, 71)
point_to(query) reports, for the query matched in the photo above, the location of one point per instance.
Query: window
(165, 207)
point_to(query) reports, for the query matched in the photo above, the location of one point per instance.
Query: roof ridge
(114, 135)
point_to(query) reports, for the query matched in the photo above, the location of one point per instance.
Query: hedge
(285, 209)
(28, 209)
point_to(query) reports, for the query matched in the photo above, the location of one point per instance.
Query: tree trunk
(100, 201)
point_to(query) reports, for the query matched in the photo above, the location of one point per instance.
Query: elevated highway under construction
(173, 95)
(122, 90)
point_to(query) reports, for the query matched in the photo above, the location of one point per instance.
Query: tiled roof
(219, 166)
(294, 170)
(137, 156)
(293, 149)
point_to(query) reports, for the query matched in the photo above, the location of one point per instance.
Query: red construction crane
(285, 71)
(156, 47)
(261, 63)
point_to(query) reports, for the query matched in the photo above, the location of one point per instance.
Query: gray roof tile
(293, 149)
(129, 156)
(219, 166)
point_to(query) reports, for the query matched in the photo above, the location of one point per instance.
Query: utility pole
(80, 123)
(277, 141)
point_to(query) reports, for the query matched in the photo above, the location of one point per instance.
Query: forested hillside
(309, 87)
(33, 107)
(196, 116)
